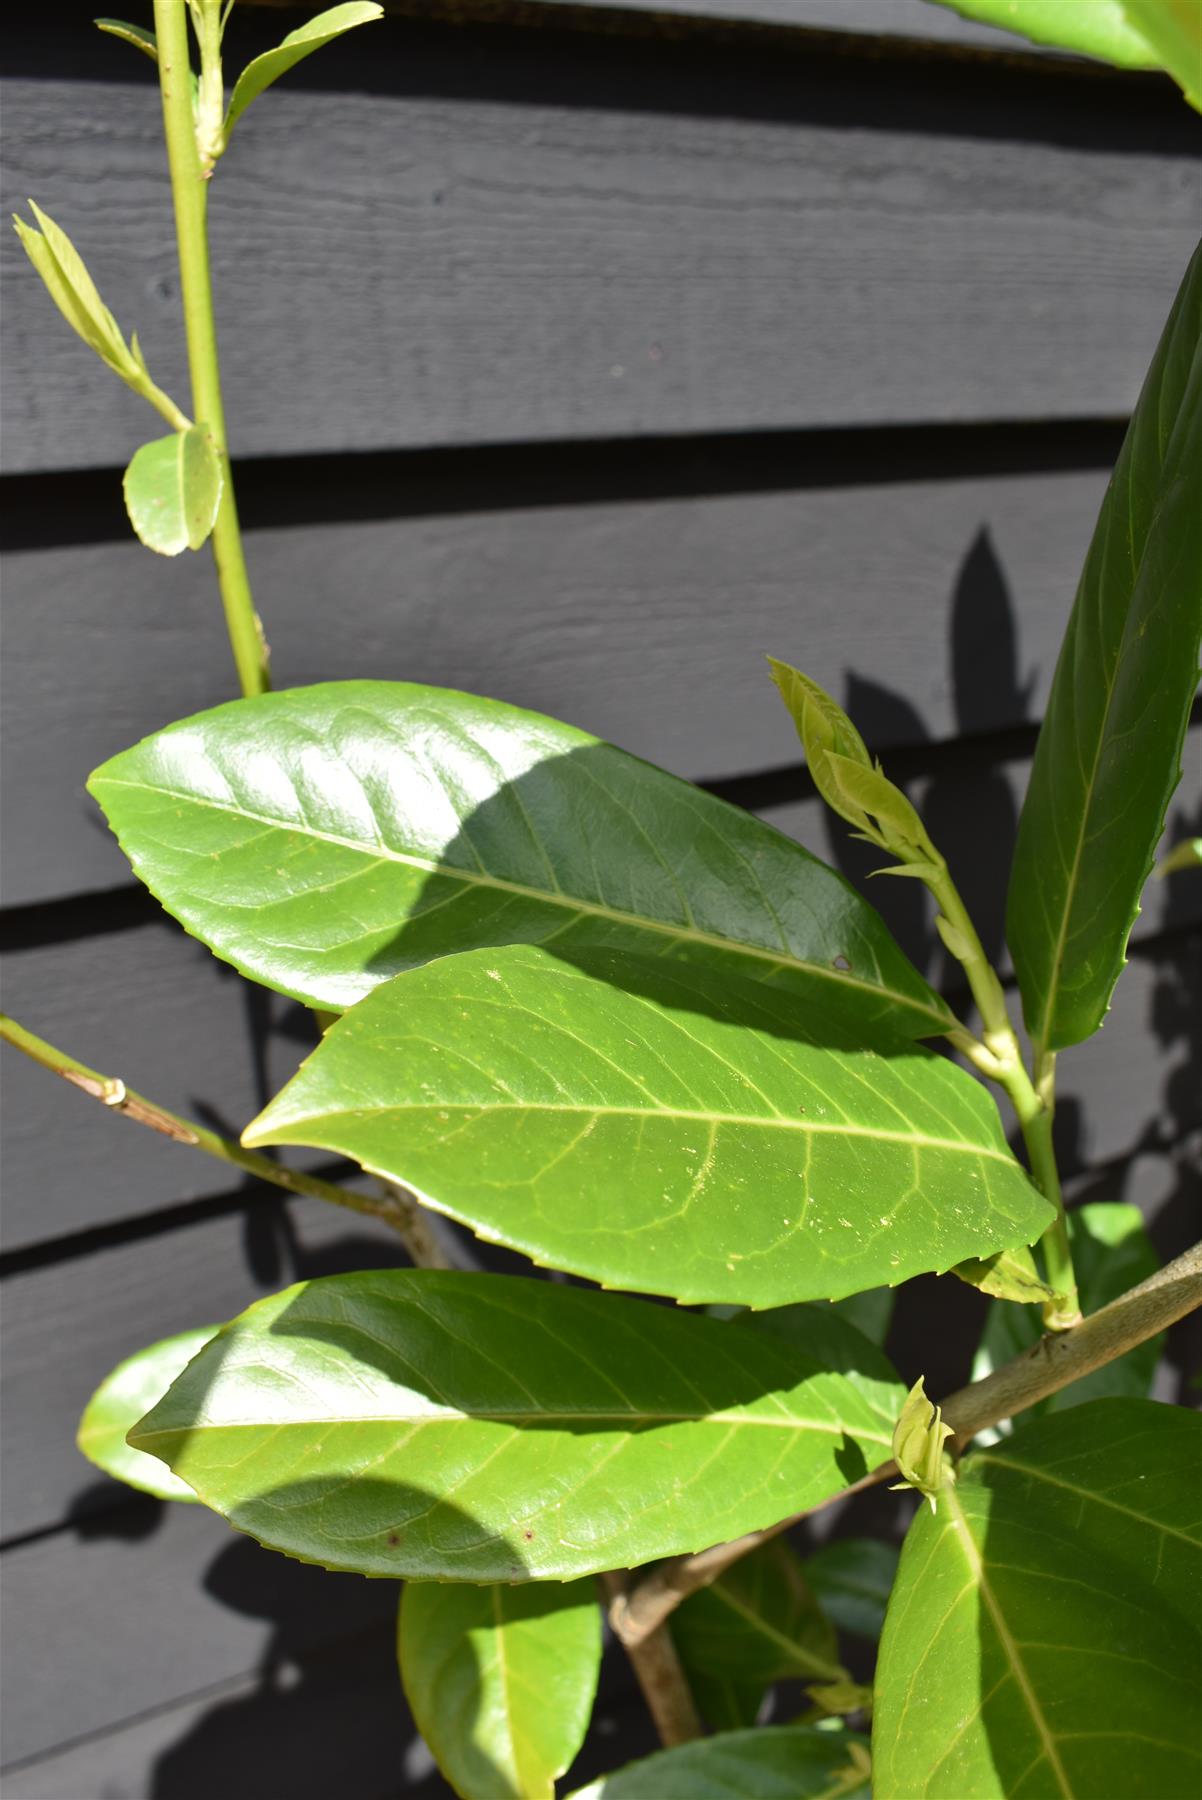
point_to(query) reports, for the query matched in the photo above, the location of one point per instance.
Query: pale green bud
(825, 731)
(918, 1440)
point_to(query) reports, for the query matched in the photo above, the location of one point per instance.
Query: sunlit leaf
(1173, 29)
(173, 490)
(465, 1427)
(1007, 1275)
(1098, 28)
(72, 289)
(119, 1402)
(298, 44)
(329, 837)
(500, 1680)
(661, 1129)
(1042, 1637)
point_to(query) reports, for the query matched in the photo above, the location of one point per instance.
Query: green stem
(403, 1218)
(1033, 1106)
(189, 191)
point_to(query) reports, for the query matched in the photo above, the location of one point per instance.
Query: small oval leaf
(173, 490)
(134, 1386)
(500, 1680)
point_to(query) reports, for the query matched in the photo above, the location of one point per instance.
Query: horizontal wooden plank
(936, 606)
(526, 244)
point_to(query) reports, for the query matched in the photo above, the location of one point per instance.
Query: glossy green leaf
(500, 1680)
(1098, 28)
(1173, 29)
(298, 44)
(1111, 1253)
(329, 837)
(134, 1386)
(141, 39)
(72, 289)
(1042, 1638)
(173, 489)
(822, 1334)
(777, 1762)
(756, 1624)
(472, 1427)
(1109, 752)
(659, 1128)
(1007, 1275)
(853, 1578)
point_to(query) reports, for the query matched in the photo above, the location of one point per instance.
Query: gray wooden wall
(578, 357)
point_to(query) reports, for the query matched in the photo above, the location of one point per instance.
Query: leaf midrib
(678, 933)
(435, 1416)
(916, 1140)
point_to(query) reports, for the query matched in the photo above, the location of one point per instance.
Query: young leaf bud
(825, 731)
(918, 1440)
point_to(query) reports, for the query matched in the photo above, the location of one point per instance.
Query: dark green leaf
(1042, 1637)
(756, 1624)
(298, 44)
(659, 1128)
(1111, 1253)
(500, 1680)
(1109, 751)
(777, 1762)
(132, 1389)
(173, 490)
(327, 838)
(853, 1578)
(821, 1334)
(1098, 28)
(487, 1428)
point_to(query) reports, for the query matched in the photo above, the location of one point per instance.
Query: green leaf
(467, 1427)
(130, 34)
(500, 1680)
(1109, 752)
(1042, 1636)
(870, 1312)
(777, 1762)
(173, 490)
(1007, 1275)
(267, 68)
(756, 1624)
(824, 1335)
(327, 838)
(1111, 1253)
(1098, 28)
(852, 1579)
(661, 1129)
(1173, 28)
(119, 1402)
(72, 289)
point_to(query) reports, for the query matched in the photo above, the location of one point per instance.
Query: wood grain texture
(532, 244)
(935, 607)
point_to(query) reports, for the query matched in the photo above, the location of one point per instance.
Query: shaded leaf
(490, 1428)
(1111, 1253)
(173, 490)
(1007, 1275)
(824, 1335)
(1098, 28)
(853, 1578)
(756, 1624)
(657, 1128)
(134, 1386)
(500, 1680)
(1109, 751)
(329, 837)
(265, 69)
(131, 34)
(777, 1762)
(870, 1312)
(1042, 1635)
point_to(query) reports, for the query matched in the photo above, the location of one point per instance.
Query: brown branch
(1056, 1360)
(394, 1207)
(659, 1674)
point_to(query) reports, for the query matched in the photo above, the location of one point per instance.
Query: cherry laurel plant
(602, 1018)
